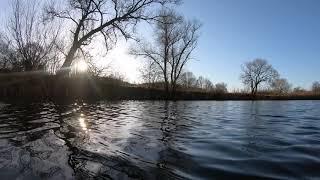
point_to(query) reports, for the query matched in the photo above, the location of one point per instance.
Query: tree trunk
(173, 90)
(255, 89)
(65, 68)
(28, 65)
(166, 88)
(252, 90)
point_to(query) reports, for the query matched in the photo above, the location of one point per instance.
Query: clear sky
(285, 32)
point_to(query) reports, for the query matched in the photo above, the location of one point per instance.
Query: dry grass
(39, 86)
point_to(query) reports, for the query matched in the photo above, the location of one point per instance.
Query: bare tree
(221, 88)
(117, 76)
(97, 71)
(256, 73)
(54, 61)
(159, 51)
(30, 36)
(208, 85)
(281, 86)
(150, 73)
(7, 55)
(92, 67)
(184, 41)
(175, 41)
(200, 82)
(188, 80)
(102, 18)
(299, 90)
(316, 87)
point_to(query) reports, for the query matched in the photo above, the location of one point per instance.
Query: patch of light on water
(83, 124)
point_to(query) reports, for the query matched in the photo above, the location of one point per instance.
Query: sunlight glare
(83, 124)
(82, 66)
(123, 63)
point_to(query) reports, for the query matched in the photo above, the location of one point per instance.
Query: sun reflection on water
(83, 123)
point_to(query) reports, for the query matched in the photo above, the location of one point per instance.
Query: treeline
(187, 82)
(54, 38)
(259, 77)
(50, 42)
(32, 41)
(27, 42)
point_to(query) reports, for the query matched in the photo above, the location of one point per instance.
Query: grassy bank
(42, 87)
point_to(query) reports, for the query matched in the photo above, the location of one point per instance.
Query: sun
(116, 61)
(81, 66)
(123, 63)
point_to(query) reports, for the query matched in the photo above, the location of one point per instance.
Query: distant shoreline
(49, 88)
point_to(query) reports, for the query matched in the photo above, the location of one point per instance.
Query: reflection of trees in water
(168, 124)
(73, 136)
(173, 127)
(118, 140)
(156, 146)
(144, 147)
(28, 147)
(262, 122)
(90, 156)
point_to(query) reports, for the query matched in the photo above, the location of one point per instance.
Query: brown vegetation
(42, 87)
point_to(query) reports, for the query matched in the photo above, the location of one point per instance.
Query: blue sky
(285, 32)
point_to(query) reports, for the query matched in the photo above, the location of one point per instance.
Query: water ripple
(160, 140)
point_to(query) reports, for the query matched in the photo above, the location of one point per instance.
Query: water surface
(160, 140)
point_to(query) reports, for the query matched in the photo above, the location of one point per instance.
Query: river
(160, 140)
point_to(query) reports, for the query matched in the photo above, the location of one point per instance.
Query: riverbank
(42, 87)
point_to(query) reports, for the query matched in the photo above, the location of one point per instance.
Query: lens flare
(82, 66)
